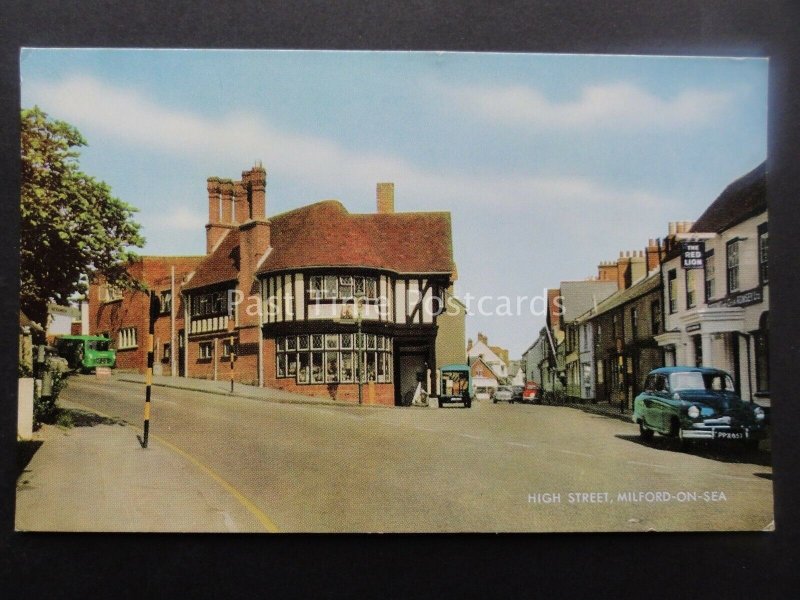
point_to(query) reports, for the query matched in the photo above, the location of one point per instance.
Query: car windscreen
(698, 381)
(97, 345)
(691, 380)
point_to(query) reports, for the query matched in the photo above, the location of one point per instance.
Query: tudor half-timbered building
(293, 291)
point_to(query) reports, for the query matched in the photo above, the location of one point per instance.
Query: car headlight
(759, 413)
(694, 412)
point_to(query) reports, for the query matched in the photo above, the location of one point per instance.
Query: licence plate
(729, 435)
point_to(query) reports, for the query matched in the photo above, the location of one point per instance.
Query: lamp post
(348, 318)
(231, 326)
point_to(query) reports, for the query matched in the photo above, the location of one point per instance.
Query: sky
(548, 164)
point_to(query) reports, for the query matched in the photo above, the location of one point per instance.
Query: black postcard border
(733, 564)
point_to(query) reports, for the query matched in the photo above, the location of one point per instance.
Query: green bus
(86, 352)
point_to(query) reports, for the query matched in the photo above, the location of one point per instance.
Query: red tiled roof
(220, 266)
(325, 234)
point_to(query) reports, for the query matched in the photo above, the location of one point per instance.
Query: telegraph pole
(231, 326)
(154, 310)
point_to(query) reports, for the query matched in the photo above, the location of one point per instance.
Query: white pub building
(716, 287)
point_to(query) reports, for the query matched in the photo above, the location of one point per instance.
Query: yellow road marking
(241, 498)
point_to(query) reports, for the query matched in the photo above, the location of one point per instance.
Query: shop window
(338, 363)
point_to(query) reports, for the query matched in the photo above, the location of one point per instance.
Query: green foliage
(72, 229)
(44, 408)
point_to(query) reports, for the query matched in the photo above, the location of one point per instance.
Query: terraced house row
(697, 297)
(291, 291)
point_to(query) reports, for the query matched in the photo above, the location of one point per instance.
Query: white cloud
(611, 106)
(130, 117)
(180, 218)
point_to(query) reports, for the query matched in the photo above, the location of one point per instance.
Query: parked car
(696, 403)
(483, 393)
(504, 393)
(517, 389)
(532, 392)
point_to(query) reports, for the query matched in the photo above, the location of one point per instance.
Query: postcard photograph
(362, 291)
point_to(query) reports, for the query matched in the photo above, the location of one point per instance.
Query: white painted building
(717, 315)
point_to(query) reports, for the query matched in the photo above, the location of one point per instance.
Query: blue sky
(549, 164)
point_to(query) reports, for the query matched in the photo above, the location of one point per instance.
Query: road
(491, 468)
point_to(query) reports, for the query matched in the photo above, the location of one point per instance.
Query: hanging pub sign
(693, 256)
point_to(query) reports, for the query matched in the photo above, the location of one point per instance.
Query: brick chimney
(652, 254)
(385, 197)
(607, 271)
(216, 227)
(257, 191)
(226, 194)
(240, 207)
(254, 233)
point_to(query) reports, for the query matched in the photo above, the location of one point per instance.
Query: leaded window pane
(331, 367)
(317, 372)
(317, 341)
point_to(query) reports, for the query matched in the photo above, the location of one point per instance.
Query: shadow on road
(25, 452)
(84, 418)
(729, 453)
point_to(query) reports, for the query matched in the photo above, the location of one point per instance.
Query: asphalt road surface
(491, 468)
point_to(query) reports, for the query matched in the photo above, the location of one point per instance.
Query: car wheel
(511, 401)
(468, 404)
(494, 400)
(645, 433)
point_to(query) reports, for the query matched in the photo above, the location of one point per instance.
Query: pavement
(95, 476)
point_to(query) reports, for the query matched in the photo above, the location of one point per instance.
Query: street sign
(693, 255)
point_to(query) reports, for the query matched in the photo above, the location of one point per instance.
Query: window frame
(732, 253)
(672, 292)
(763, 253)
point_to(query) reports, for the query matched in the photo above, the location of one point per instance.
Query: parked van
(86, 352)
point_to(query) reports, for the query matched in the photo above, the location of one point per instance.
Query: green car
(86, 352)
(696, 403)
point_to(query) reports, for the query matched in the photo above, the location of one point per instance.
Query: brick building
(123, 316)
(288, 288)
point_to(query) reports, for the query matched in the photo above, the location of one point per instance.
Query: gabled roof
(326, 234)
(742, 199)
(221, 266)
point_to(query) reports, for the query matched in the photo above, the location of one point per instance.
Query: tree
(71, 228)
